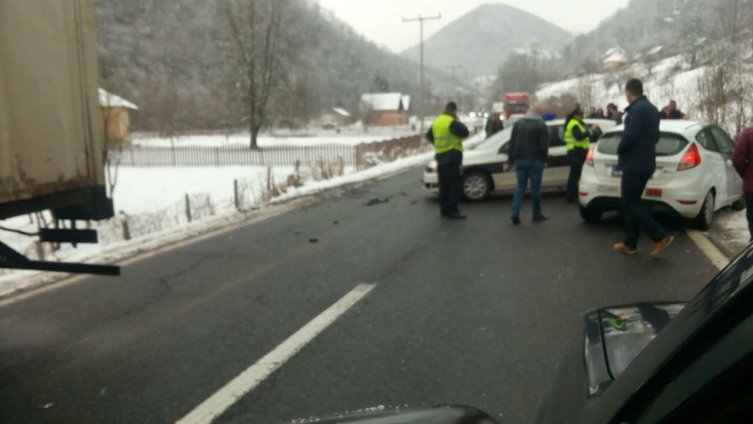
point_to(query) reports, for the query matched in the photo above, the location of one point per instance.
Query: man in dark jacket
(494, 124)
(671, 112)
(528, 152)
(614, 113)
(637, 161)
(743, 161)
(447, 135)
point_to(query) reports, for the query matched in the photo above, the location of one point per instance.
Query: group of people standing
(529, 151)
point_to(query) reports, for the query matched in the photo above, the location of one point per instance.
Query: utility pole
(455, 91)
(420, 19)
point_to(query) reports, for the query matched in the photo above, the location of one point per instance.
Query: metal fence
(198, 156)
(360, 156)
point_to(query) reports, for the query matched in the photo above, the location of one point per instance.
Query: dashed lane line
(232, 392)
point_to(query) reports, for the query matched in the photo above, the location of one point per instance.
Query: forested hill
(167, 58)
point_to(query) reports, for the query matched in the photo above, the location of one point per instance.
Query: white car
(485, 169)
(694, 173)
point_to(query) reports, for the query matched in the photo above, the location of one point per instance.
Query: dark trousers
(450, 187)
(577, 158)
(637, 216)
(749, 212)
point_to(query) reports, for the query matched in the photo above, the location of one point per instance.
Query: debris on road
(377, 201)
(313, 240)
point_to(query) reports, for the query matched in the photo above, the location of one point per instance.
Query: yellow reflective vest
(444, 139)
(570, 140)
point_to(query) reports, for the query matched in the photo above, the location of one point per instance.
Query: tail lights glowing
(690, 159)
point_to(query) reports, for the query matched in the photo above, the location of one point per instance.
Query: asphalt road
(475, 312)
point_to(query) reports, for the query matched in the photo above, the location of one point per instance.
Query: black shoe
(540, 218)
(456, 216)
(515, 220)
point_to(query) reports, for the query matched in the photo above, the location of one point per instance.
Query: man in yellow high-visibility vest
(578, 139)
(447, 134)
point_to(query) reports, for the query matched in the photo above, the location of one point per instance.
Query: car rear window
(669, 144)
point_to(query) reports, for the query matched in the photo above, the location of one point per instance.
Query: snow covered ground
(731, 231)
(665, 80)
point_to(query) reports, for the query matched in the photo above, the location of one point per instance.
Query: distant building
(116, 116)
(332, 118)
(615, 58)
(385, 109)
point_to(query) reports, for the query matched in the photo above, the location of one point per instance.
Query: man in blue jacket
(637, 160)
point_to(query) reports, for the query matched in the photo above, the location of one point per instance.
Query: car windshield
(494, 142)
(668, 145)
(273, 211)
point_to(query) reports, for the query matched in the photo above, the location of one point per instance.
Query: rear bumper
(682, 197)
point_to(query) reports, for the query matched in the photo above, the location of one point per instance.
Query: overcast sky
(381, 20)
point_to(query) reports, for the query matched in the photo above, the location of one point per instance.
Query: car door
(505, 180)
(726, 147)
(558, 164)
(715, 167)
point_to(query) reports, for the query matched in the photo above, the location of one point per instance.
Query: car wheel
(706, 216)
(476, 186)
(590, 215)
(739, 204)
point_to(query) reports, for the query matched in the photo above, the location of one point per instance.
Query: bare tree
(255, 28)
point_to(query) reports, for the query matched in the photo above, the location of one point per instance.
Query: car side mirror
(505, 148)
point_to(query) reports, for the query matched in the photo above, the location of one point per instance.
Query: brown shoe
(661, 246)
(624, 249)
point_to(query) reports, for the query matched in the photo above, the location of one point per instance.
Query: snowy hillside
(668, 79)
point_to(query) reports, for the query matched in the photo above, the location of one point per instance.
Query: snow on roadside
(731, 230)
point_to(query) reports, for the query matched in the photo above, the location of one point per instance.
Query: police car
(485, 165)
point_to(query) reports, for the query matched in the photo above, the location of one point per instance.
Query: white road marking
(218, 403)
(707, 247)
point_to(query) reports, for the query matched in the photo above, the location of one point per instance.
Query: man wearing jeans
(637, 160)
(529, 150)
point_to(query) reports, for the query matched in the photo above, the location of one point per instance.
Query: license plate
(608, 189)
(616, 172)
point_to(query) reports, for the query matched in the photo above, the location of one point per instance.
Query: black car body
(699, 368)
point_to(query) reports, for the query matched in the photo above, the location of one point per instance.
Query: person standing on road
(578, 140)
(743, 161)
(637, 161)
(528, 153)
(494, 124)
(447, 134)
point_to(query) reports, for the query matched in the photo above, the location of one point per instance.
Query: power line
(422, 97)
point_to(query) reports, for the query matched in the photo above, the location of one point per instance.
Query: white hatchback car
(694, 174)
(485, 168)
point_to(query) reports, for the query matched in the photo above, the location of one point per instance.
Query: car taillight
(590, 157)
(690, 159)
